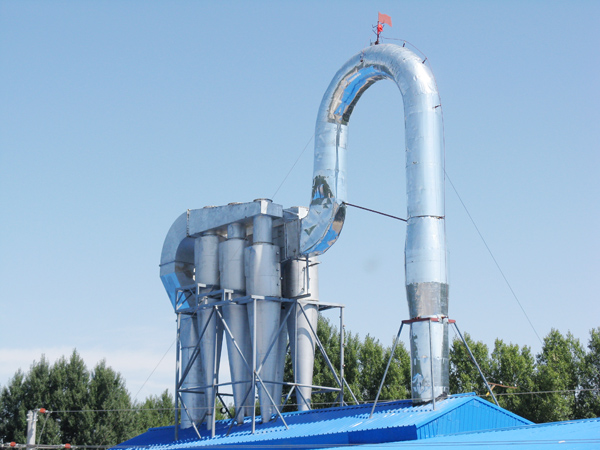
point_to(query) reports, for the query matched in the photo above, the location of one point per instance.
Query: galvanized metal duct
(177, 271)
(263, 278)
(425, 250)
(177, 257)
(300, 282)
(194, 403)
(300, 279)
(206, 255)
(191, 246)
(239, 344)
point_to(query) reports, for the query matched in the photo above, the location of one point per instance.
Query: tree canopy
(562, 382)
(86, 407)
(364, 365)
(93, 407)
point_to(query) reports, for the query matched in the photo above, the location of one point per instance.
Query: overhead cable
(493, 258)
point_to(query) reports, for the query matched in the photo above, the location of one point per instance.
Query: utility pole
(32, 417)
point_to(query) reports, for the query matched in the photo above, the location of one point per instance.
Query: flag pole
(381, 19)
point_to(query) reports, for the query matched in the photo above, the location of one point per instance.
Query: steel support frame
(430, 319)
(225, 295)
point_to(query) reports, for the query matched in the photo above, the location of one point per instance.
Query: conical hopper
(263, 278)
(231, 264)
(194, 403)
(211, 332)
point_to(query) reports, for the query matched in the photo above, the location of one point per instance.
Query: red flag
(384, 18)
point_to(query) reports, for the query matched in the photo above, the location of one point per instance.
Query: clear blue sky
(116, 117)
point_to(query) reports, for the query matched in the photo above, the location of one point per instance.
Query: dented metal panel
(423, 130)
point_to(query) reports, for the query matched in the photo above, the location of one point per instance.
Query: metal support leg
(224, 405)
(431, 368)
(189, 416)
(289, 394)
(342, 354)
(327, 360)
(177, 364)
(272, 401)
(254, 369)
(213, 407)
(386, 369)
(243, 403)
(476, 365)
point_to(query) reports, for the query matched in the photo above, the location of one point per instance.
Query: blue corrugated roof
(571, 435)
(392, 421)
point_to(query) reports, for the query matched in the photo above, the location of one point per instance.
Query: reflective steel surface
(263, 277)
(206, 251)
(425, 251)
(301, 279)
(209, 246)
(239, 345)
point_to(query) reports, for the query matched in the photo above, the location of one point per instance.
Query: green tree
(364, 366)
(558, 377)
(515, 367)
(588, 401)
(114, 421)
(322, 375)
(397, 383)
(373, 359)
(464, 376)
(371, 368)
(68, 396)
(24, 393)
(86, 408)
(13, 416)
(155, 411)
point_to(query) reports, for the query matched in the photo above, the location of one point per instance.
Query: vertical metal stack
(425, 252)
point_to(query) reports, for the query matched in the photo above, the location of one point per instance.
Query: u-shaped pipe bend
(425, 241)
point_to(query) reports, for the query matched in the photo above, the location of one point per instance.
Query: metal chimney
(425, 251)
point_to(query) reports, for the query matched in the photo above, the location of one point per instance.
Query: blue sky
(116, 117)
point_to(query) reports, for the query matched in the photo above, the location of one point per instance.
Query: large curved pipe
(425, 250)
